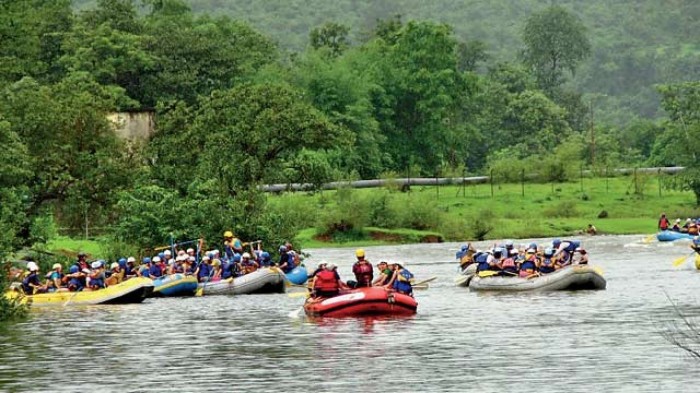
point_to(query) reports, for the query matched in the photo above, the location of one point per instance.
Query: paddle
(70, 298)
(298, 294)
(424, 281)
(200, 291)
(487, 273)
(680, 260)
(648, 239)
(463, 278)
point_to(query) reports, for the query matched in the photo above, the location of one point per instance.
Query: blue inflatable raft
(669, 236)
(298, 275)
(175, 285)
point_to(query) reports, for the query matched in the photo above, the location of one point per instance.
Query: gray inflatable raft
(570, 278)
(263, 280)
(463, 278)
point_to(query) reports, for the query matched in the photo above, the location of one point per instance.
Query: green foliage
(555, 41)
(332, 36)
(43, 228)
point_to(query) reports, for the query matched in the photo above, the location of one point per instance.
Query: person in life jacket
(663, 222)
(327, 282)
(321, 267)
(55, 278)
(363, 270)
(144, 267)
(284, 262)
(692, 228)
(31, 284)
(583, 256)
(97, 276)
(465, 255)
(114, 275)
(232, 245)
(564, 250)
(75, 278)
(676, 225)
(695, 245)
(529, 266)
(508, 266)
(385, 274)
(265, 259)
(482, 260)
(204, 269)
(248, 265)
(155, 269)
(495, 259)
(129, 268)
(401, 280)
(216, 270)
(548, 263)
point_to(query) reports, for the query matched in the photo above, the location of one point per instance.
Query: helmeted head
(156, 259)
(161, 255)
(245, 255)
(464, 248)
(509, 244)
(556, 243)
(548, 252)
(497, 252)
(228, 235)
(167, 254)
(82, 256)
(96, 264)
(114, 265)
(513, 252)
(190, 251)
(360, 253)
(322, 264)
(531, 251)
(73, 269)
(532, 245)
(56, 266)
(146, 260)
(236, 258)
(216, 262)
(331, 266)
(580, 250)
(282, 249)
(206, 259)
(265, 255)
(130, 260)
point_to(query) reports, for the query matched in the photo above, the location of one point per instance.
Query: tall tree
(555, 42)
(333, 36)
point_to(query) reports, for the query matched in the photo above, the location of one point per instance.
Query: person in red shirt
(663, 222)
(364, 272)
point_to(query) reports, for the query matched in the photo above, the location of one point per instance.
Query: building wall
(133, 126)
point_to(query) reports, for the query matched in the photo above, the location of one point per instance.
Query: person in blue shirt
(204, 270)
(76, 279)
(32, 284)
(154, 270)
(97, 276)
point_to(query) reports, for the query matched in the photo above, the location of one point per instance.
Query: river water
(589, 341)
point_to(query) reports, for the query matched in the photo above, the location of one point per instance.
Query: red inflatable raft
(362, 302)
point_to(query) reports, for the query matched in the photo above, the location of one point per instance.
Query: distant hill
(636, 43)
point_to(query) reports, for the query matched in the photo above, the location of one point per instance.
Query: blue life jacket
(481, 260)
(573, 244)
(228, 252)
(154, 271)
(77, 283)
(225, 270)
(528, 265)
(404, 286)
(547, 265)
(97, 282)
(204, 271)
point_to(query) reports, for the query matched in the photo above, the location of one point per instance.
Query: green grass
(545, 209)
(71, 246)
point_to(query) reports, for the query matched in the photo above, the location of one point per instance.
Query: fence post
(491, 181)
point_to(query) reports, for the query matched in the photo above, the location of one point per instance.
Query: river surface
(590, 341)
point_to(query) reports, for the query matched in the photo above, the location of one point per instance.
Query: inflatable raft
(570, 278)
(134, 290)
(697, 261)
(463, 278)
(265, 280)
(298, 275)
(669, 236)
(362, 302)
(175, 285)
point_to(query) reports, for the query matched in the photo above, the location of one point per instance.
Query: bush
(43, 228)
(481, 225)
(563, 209)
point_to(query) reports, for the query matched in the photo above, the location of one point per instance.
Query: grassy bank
(615, 206)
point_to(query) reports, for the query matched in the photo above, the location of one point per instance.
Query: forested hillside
(635, 43)
(371, 95)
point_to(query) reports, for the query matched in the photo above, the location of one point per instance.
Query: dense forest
(370, 95)
(635, 44)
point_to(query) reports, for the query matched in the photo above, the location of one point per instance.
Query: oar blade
(679, 261)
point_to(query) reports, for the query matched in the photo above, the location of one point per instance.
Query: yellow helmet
(228, 234)
(216, 262)
(360, 253)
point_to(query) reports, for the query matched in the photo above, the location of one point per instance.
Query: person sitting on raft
(364, 273)
(97, 276)
(76, 279)
(55, 278)
(401, 280)
(465, 255)
(321, 267)
(564, 250)
(204, 269)
(582, 258)
(114, 275)
(548, 263)
(327, 282)
(692, 227)
(495, 259)
(385, 274)
(528, 267)
(248, 265)
(676, 225)
(482, 260)
(155, 269)
(695, 245)
(216, 270)
(31, 283)
(508, 265)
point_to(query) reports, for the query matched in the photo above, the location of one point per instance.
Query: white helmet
(113, 265)
(167, 252)
(331, 266)
(189, 250)
(32, 266)
(131, 259)
(96, 265)
(156, 259)
(245, 255)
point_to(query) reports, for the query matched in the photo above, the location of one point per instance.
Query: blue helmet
(696, 240)
(556, 242)
(236, 257)
(265, 255)
(146, 260)
(122, 262)
(509, 244)
(73, 269)
(532, 245)
(283, 249)
(464, 248)
(161, 255)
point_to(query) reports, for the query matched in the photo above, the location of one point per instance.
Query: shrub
(563, 209)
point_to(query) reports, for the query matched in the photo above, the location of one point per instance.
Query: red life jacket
(663, 224)
(363, 273)
(326, 281)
